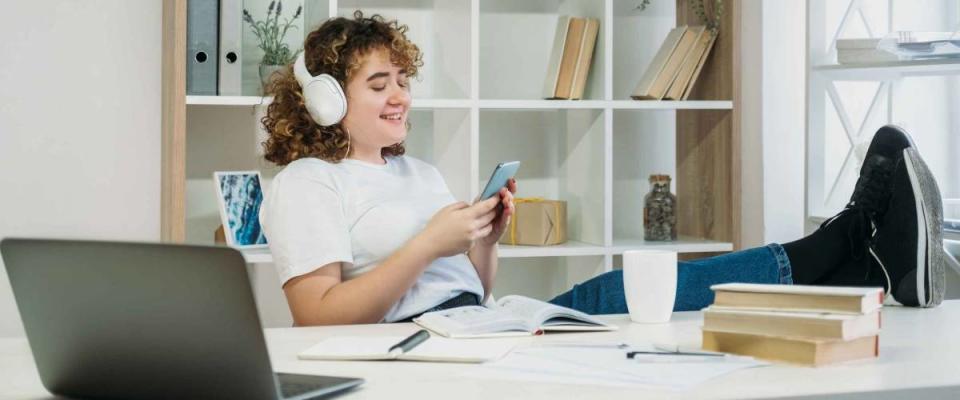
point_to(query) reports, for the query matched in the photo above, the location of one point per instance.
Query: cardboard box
(537, 222)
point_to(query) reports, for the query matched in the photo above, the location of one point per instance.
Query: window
(847, 104)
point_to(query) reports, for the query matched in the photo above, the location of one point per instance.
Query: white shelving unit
(499, 104)
(477, 102)
(571, 248)
(889, 70)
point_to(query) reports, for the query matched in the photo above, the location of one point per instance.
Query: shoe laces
(873, 190)
(870, 201)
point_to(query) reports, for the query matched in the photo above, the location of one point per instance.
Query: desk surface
(918, 349)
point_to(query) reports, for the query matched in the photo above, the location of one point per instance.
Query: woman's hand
(455, 228)
(502, 219)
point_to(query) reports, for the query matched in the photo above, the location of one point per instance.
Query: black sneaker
(872, 190)
(863, 215)
(909, 244)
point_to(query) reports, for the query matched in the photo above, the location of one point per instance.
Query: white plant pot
(266, 74)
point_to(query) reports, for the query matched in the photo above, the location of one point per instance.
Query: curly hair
(337, 48)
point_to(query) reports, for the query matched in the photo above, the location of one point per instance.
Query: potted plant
(270, 34)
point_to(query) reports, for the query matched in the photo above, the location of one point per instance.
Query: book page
(351, 348)
(471, 320)
(435, 348)
(458, 350)
(539, 312)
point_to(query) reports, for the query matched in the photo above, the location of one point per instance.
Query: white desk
(919, 357)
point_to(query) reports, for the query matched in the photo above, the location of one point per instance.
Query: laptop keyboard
(291, 389)
(293, 385)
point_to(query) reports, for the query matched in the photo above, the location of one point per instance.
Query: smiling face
(378, 99)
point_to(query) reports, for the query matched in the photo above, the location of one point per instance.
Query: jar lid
(659, 178)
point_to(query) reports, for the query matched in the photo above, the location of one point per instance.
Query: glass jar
(659, 210)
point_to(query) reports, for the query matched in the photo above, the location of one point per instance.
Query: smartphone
(500, 177)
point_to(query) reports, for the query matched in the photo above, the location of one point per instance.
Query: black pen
(409, 343)
(631, 354)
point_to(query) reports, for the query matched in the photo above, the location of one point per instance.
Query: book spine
(687, 67)
(642, 91)
(568, 63)
(585, 57)
(700, 64)
(812, 326)
(553, 66)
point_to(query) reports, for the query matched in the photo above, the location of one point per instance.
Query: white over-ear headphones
(322, 94)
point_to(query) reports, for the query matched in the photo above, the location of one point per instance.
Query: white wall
(773, 42)
(79, 124)
(784, 119)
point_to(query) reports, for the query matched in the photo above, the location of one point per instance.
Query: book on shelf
(671, 67)
(563, 58)
(801, 324)
(556, 55)
(691, 66)
(435, 348)
(836, 299)
(569, 65)
(806, 351)
(584, 57)
(512, 316)
(862, 51)
(644, 86)
(700, 64)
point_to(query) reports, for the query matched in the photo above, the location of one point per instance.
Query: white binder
(231, 34)
(202, 47)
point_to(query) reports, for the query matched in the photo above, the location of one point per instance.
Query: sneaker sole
(930, 253)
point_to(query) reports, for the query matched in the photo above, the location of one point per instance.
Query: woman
(361, 233)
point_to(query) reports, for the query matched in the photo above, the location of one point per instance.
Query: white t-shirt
(315, 213)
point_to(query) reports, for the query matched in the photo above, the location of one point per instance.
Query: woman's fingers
(455, 206)
(507, 201)
(485, 219)
(483, 232)
(485, 206)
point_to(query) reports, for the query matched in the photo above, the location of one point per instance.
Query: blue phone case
(501, 175)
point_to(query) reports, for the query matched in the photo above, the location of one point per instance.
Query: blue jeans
(604, 294)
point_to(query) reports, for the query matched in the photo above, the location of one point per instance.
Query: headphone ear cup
(325, 100)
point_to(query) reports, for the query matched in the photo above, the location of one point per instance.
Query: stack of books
(809, 325)
(571, 57)
(862, 51)
(676, 66)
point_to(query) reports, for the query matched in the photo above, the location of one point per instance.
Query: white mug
(650, 284)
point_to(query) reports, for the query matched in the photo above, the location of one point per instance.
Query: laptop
(137, 320)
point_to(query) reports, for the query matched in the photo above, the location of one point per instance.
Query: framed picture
(240, 194)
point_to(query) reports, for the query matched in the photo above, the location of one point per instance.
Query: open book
(513, 316)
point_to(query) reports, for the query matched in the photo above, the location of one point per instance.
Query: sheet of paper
(348, 348)
(433, 349)
(609, 366)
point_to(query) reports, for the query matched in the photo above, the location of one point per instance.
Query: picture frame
(239, 196)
